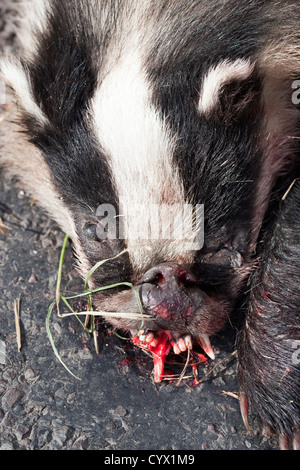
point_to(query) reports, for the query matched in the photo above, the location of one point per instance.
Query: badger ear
(217, 77)
(15, 75)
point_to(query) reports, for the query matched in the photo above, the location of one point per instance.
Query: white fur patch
(22, 159)
(14, 75)
(139, 148)
(217, 77)
(32, 18)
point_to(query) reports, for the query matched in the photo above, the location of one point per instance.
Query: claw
(296, 441)
(204, 342)
(244, 406)
(284, 443)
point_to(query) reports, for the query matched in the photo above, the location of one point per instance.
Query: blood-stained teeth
(181, 345)
(154, 343)
(188, 342)
(176, 348)
(149, 338)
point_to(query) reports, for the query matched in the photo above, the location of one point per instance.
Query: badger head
(156, 151)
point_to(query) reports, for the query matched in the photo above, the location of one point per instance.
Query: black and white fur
(172, 102)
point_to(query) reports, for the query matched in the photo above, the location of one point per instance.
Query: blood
(159, 353)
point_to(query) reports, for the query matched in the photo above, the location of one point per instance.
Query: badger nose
(167, 290)
(169, 274)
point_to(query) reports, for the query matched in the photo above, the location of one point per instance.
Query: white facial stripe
(22, 159)
(139, 148)
(32, 16)
(217, 77)
(15, 76)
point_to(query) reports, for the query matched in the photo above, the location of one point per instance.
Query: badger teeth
(204, 342)
(182, 344)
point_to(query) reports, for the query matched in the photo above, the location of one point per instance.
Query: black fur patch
(269, 344)
(216, 155)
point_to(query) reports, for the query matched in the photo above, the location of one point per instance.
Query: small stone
(111, 425)
(30, 374)
(82, 443)
(9, 420)
(120, 411)
(60, 435)
(6, 446)
(12, 397)
(20, 431)
(9, 375)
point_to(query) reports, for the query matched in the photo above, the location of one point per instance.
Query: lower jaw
(162, 343)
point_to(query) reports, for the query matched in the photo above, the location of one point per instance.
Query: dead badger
(144, 105)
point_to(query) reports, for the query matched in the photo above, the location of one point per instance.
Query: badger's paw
(269, 379)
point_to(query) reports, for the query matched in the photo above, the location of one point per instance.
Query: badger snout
(170, 293)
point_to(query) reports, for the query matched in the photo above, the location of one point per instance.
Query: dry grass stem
(17, 321)
(184, 369)
(231, 394)
(3, 228)
(289, 189)
(217, 365)
(131, 316)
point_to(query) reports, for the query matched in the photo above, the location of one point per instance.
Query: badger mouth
(160, 345)
(159, 341)
(176, 315)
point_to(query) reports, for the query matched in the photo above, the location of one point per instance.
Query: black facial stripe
(64, 75)
(218, 156)
(79, 168)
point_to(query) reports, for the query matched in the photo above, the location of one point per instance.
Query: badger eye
(90, 231)
(94, 232)
(229, 256)
(226, 256)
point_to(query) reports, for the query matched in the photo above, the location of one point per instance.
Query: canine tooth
(181, 344)
(284, 442)
(206, 346)
(188, 342)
